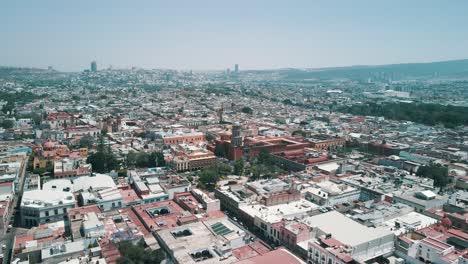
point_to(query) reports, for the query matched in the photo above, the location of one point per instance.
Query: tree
(299, 132)
(208, 178)
(223, 169)
(142, 160)
(76, 98)
(247, 110)
(264, 156)
(103, 160)
(239, 167)
(86, 141)
(136, 254)
(160, 161)
(210, 137)
(35, 117)
(153, 160)
(97, 161)
(8, 107)
(436, 172)
(6, 124)
(131, 159)
(220, 150)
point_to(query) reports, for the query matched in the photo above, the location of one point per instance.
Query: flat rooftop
(280, 255)
(345, 229)
(276, 213)
(200, 238)
(44, 198)
(408, 222)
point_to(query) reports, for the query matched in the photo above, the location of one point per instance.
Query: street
(7, 238)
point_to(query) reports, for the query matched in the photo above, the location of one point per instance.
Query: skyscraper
(93, 66)
(236, 68)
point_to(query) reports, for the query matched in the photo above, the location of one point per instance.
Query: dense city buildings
(228, 167)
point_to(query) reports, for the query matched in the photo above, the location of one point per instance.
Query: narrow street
(7, 238)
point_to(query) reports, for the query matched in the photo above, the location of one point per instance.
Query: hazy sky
(202, 35)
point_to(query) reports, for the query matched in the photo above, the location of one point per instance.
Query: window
(46, 213)
(64, 210)
(56, 211)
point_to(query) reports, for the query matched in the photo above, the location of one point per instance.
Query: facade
(186, 138)
(327, 143)
(87, 130)
(439, 243)
(299, 160)
(189, 158)
(59, 120)
(237, 146)
(44, 206)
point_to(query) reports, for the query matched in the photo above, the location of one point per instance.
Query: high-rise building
(236, 68)
(93, 66)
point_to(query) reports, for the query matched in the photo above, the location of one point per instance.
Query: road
(242, 227)
(7, 238)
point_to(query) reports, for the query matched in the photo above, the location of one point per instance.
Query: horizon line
(259, 69)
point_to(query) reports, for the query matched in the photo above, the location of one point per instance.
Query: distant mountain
(443, 69)
(21, 73)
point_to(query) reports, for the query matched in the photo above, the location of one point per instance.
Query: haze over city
(234, 132)
(213, 35)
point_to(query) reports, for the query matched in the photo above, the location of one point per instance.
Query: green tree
(142, 160)
(6, 124)
(131, 159)
(160, 161)
(239, 166)
(247, 110)
(103, 160)
(137, 254)
(299, 132)
(8, 107)
(210, 137)
(86, 141)
(97, 161)
(220, 150)
(208, 178)
(156, 159)
(264, 156)
(436, 172)
(223, 169)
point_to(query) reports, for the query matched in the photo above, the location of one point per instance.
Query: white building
(359, 242)
(43, 206)
(328, 193)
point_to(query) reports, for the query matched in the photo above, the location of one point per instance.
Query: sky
(215, 35)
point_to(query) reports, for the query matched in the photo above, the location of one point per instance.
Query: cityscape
(236, 164)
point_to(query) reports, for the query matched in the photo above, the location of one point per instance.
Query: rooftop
(276, 213)
(43, 198)
(346, 230)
